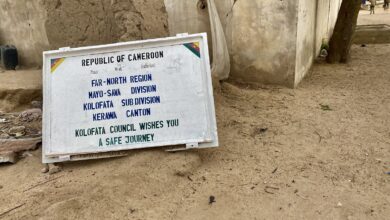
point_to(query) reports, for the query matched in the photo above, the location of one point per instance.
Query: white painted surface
(305, 38)
(183, 85)
(316, 21)
(327, 11)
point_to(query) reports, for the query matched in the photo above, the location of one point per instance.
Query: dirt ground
(320, 151)
(381, 16)
(19, 88)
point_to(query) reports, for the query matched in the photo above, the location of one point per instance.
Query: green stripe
(194, 51)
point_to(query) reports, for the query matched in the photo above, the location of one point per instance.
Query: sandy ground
(320, 151)
(19, 88)
(20, 79)
(381, 16)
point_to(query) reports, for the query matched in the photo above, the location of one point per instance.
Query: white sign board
(126, 96)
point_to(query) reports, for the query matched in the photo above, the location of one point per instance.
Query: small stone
(17, 129)
(36, 104)
(4, 136)
(8, 157)
(339, 204)
(45, 169)
(19, 134)
(54, 169)
(26, 154)
(1, 186)
(31, 115)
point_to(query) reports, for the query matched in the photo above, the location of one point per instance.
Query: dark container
(8, 57)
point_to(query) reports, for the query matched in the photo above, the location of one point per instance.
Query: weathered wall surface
(327, 11)
(22, 23)
(269, 42)
(272, 42)
(50, 24)
(188, 16)
(264, 36)
(260, 35)
(305, 38)
(80, 23)
(316, 20)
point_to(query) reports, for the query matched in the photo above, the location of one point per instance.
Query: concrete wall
(305, 43)
(271, 42)
(263, 41)
(22, 23)
(186, 16)
(327, 11)
(316, 21)
(259, 35)
(37, 25)
(182, 13)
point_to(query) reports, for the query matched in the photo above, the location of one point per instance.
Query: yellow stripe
(196, 44)
(57, 64)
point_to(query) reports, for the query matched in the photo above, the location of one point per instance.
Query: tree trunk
(341, 40)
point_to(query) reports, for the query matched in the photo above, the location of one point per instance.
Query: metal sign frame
(49, 56)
